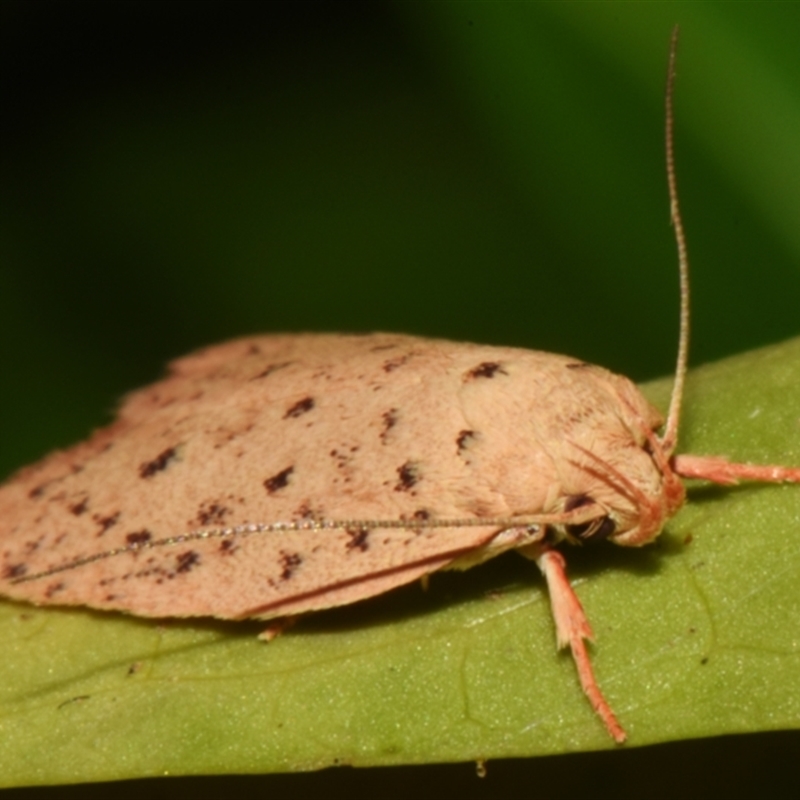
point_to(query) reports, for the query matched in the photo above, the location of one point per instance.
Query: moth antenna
(670, 438)
(535, 522)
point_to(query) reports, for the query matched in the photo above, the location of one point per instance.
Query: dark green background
(177, 173)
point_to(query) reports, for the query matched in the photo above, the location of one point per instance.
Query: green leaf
(697, 635)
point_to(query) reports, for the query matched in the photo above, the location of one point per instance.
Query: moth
(277, 475)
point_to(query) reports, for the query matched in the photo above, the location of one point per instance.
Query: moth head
(631, 509)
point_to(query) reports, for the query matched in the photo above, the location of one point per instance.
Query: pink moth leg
(573, 629)
(720, 470)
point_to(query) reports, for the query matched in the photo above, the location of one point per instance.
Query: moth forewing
(304, 442)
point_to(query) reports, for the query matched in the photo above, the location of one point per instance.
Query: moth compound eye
(605, 527)
(599, 529)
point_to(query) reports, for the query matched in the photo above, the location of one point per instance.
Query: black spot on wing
(389, 418)
(139, 537)
(357, 540)
(187, 561)
(211, 513)
(80, 507)
(486, 369)
(278, 481)
(15, 571)
(227, 547)
(53, 589)
(299, 408)
(410, 476)
(106, 522)
(464, 439)
(306, 511)
(390, 365)
(150, 468)
(289, 563)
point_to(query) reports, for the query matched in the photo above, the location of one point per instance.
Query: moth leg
(720, 470)
(573, 629)
(276, 627)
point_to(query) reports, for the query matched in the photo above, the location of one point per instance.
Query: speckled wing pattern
(288, 428)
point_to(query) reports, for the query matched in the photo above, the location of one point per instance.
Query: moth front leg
(573, 629)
